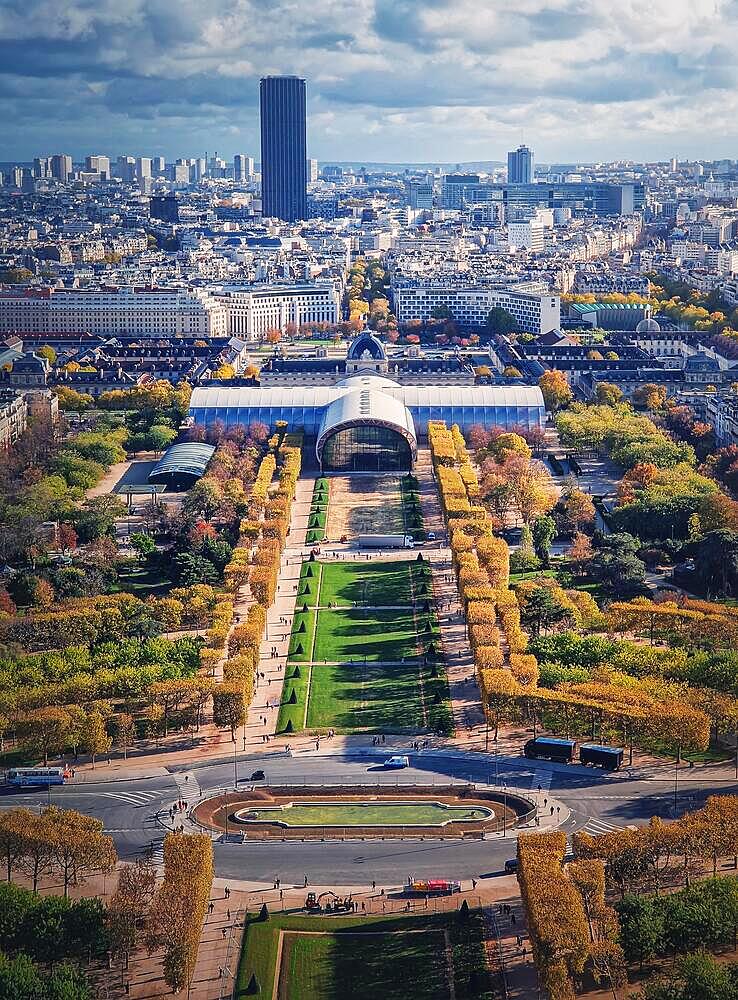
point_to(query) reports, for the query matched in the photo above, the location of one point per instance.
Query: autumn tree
(95, 739)
(580, 553)
(130, 905)
(79, 848)
(180, 905)
(124, 727)
(45, 731)
(229, 707)
(555, 388)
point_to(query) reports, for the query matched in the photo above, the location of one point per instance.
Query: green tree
(544, 532)
(616, 565)
(716, 562)
(143, 544)
(190, 569)
(641, 928)
(160, 437)
(500, 322)
(541, 610)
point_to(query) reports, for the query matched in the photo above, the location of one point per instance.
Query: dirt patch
(362, 505)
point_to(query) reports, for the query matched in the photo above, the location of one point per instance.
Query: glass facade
(309, 416)
(366, 448)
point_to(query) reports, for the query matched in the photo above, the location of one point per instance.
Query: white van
(397, 762)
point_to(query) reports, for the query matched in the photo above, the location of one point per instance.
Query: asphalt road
(133, 810)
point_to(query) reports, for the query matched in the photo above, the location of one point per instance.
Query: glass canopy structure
(305, 407)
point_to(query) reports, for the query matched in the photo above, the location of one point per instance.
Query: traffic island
(363, 812)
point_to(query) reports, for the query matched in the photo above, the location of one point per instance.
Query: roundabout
(363, 812)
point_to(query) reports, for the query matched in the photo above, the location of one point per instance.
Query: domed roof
(366, 345)
(648, 326)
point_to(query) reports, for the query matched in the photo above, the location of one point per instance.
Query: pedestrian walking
(224, 932)
(227, 893)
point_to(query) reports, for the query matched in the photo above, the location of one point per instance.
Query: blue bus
(38, 775)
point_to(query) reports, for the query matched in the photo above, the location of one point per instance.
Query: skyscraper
(99, 165)
(243, 167)
(61, 167)
(520, 166)
(283, 148)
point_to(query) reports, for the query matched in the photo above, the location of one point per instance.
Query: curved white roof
(367, 406)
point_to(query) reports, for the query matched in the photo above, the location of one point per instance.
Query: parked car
(511, 865)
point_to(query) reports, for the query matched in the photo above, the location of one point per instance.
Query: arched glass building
(338, 415)
(365, 430)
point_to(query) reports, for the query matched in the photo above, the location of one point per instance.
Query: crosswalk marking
(597, 826)
(133, 798)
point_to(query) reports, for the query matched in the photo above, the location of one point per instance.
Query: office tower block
(283, 148)
(41, 167)
(520, 166)
(158, 165)
(312, 171)
(243, 167)
(143, 167)
(98, 165)
(125, 168)
(61, 167)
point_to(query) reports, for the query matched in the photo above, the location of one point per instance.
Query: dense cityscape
(368, 569)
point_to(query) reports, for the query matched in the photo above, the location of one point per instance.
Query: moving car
(257, 776)
(397, 762)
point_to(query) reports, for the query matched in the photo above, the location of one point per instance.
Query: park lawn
(374, 698)
(358, 698)
(144, 581)
(374, 583)
(365, 959)
(302, 635)
(360, 634)
(372, 814)
(363, 967)
(308, 587)
(291, 718)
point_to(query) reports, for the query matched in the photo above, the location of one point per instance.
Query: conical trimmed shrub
(292, 700)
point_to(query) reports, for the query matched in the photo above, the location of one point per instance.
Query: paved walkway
(261, 723)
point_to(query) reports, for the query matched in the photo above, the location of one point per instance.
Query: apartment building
(253, 309)
(536, 312)
(143, 312)
(13, 416)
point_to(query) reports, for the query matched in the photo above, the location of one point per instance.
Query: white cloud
(424, 79)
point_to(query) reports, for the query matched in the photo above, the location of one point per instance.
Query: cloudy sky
(398, 80)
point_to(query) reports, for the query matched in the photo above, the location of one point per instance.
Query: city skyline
(394, 81)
